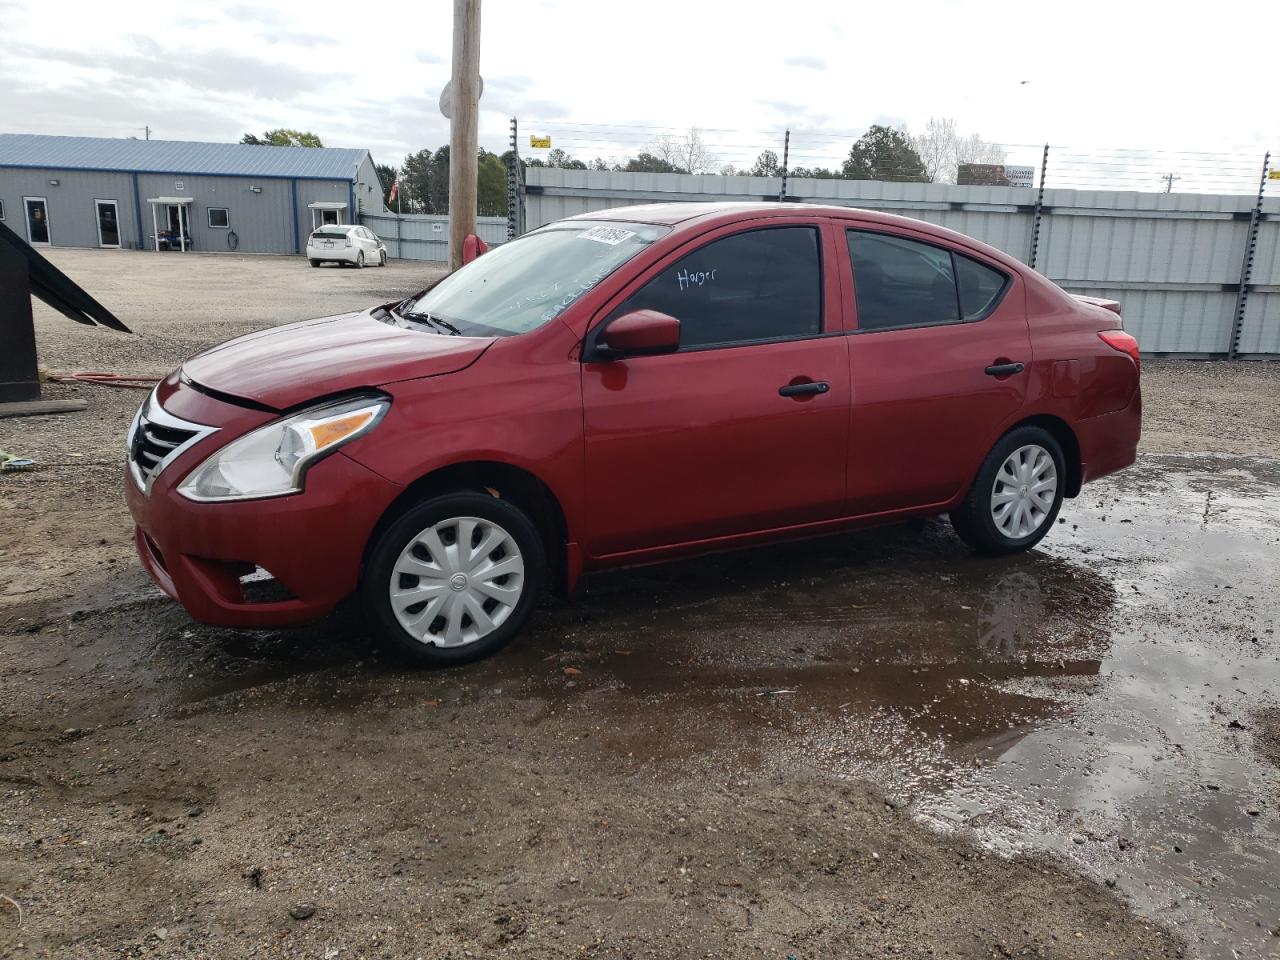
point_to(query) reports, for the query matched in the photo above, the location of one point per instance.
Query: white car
(345, 243)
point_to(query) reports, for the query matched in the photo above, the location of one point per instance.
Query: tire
(1003, 512)
(315, 263)
(360, 260)
(382, 259)
(406, 559)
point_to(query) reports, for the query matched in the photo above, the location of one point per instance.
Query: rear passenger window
(904, 283)
(980, 287)
(756, 286)
(901, 283)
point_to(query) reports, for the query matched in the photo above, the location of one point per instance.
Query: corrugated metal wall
(263, 220)
(1172, 260)
(420, 236)
(72, 217)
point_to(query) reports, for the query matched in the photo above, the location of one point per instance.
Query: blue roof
(178, 156)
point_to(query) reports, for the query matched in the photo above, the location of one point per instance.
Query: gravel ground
(760, 754)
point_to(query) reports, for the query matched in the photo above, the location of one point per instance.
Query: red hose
(125, 380)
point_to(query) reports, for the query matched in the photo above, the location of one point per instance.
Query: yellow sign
(540, 143)
(1273, 174)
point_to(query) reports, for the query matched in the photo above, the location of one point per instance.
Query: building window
(218, 218)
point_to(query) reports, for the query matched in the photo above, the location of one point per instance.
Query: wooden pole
(464, 126)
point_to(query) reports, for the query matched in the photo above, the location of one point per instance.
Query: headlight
(271, 461)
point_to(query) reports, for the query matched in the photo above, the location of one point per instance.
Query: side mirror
(640, 333)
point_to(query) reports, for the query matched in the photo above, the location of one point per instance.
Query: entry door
(108, 223)
(37, 220)
(930, 323)
(701, 444)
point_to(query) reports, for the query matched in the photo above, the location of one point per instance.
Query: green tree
(284, 137)
(558, 158)
(646, 162)
(491, 185)
(387, 174)
(883, 153)
(415, 181)
(438, 192)
(816, 173)
(766, 165)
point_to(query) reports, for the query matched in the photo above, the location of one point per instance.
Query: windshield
(524, 283)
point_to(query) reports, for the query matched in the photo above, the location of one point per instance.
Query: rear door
(717, 440)
(933, 353)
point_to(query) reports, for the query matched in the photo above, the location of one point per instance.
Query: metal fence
(1198, 274)
(421, 236)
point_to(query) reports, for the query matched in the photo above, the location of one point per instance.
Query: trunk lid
(289, 365)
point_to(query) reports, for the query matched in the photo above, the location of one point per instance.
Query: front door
(37, 220)
(108, 223)
(930, 323)
(701, 444)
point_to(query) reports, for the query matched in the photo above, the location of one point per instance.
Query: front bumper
(312, 542)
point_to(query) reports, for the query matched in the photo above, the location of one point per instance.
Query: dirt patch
(1266, 736)
(1192, 406)
(870, 745)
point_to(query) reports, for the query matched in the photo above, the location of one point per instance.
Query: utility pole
(1168, 179)
(463, 126)
(146, 130)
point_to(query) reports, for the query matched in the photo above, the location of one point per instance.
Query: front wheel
(454, 579)
(382, 259)
(1016, 495)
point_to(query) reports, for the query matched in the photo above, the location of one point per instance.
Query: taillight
(348, 240)
(1124, 342)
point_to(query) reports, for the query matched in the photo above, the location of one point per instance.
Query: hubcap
(457, 581)
(1023, 493)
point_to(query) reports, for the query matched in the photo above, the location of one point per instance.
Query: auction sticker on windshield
(610, 235)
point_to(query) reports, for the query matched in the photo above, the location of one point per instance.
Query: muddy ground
(871, 745)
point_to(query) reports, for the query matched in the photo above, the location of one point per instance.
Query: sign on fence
(995, 175)
(540, 143)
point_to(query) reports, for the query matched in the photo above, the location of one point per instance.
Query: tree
(284, 137)
(491, 185)
(942, 149)
(766, 165)
(415, 181)
(598, 164)
(883, 153)
(438, 188)
(387, 174)
(558, 158)
(686, 154)
(645, 162)
(816, 173)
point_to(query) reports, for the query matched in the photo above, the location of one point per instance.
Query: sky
(605, 78)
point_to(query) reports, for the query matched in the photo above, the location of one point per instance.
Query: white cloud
(1101, 73)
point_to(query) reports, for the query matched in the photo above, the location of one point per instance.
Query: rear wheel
(454, 579)
(315, 263)
(1016, 495)
(360, 259)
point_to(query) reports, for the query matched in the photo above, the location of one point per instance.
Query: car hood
(285, 366)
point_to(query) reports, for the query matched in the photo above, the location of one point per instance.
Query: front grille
(156, 438)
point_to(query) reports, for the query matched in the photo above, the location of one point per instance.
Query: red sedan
(622, 388)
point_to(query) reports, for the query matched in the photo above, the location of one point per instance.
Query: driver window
(747, 288)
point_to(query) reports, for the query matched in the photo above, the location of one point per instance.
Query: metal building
(169, 194)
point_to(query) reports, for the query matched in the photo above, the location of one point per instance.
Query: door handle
(1004, 369)
(804, 389)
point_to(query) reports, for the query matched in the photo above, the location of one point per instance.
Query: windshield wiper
(434, 321)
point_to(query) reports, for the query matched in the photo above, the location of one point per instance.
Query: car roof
(700, 213)
(335, 226)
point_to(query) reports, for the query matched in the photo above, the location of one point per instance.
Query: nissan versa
(622, 388)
